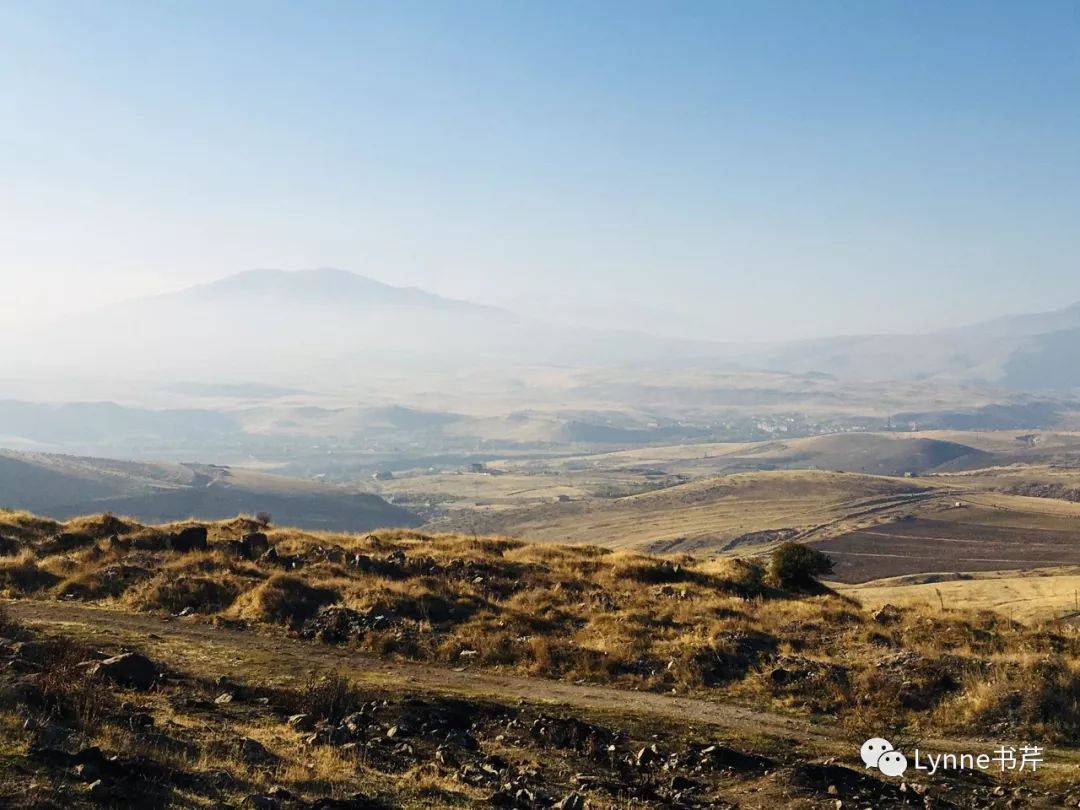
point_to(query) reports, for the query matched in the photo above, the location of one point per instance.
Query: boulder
(193, 538)
(301, 722)
(887, 614)
(254, 545)
(129, 669)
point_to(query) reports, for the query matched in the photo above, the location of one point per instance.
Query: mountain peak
(327, 286)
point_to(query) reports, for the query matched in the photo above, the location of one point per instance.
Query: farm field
(923, 546)
(712, 515)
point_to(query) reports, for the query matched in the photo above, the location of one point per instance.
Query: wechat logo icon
(879, 753)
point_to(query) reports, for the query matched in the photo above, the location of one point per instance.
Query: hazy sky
(756, 168)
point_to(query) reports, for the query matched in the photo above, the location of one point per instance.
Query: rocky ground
(91, 726)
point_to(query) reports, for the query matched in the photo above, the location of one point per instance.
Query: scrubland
(718, 629)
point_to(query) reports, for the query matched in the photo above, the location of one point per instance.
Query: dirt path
(208, 651)
(212, 651)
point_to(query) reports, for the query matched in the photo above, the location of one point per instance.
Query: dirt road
(207, 651)
(211, 651)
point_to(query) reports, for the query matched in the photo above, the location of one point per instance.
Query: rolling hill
(893, 454)
(711, 515)
(62, 486)
(1019, 352)
(309, 327)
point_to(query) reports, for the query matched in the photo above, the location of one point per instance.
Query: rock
(682, 783)
(358, 801)
(193, 538)
(301, 722)
(102, 791)
(87, 772)
(464, 740)
(887, 614)
(781, 676)
(254, 752)
(140, 720)
(254, 545)
(646, 756)
(66, 541)
(572, 801)
(355, 722)
(444, 758)
(330, 736)
(224, 697)
(9, 547)
(34, 652)
(129, 669)
(53, 735)
(258, 801)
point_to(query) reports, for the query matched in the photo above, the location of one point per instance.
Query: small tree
(263, 519)
(797, 566)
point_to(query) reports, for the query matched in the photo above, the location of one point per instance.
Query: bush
(69, 690)
(329, 697)
(794, 565)
(22, 575)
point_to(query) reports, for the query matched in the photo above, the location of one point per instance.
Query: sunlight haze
(719, 164)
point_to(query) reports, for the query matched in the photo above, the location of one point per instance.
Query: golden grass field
(1031, 596)
(539, 625)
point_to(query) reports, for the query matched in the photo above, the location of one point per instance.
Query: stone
(254, 545)
(193, 538)
(140, 720)
(682, 783)
(87, 772)
(571, 801)
(301, 722)
(887, 614)
(646, 756)
(129, 669)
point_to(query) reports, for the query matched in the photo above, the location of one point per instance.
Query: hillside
(282, 668)
(869, 453)
(710, 515)
(63, 486)
(1020, 352)
(886, 453)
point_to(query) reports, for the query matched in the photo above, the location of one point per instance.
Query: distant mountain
(300, 329)
(324, 288)
(309, 328)
(62, 486)
(1025, 352)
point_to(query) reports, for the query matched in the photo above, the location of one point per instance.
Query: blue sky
(752, 169)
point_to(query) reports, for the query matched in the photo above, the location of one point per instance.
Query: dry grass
(22, 574)
(591, 614)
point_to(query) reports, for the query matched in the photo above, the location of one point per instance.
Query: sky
(727, 170)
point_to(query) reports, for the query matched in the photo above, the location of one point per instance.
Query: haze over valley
(443, 405)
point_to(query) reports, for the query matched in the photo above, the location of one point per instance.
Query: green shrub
(794, 565)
